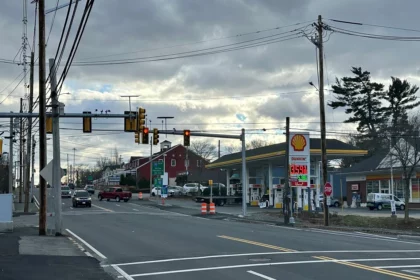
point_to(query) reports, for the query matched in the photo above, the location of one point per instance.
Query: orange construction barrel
(204, 208)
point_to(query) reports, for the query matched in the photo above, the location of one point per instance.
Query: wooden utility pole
(287, 194)
(20, 152)
(322, 116)
(29, 136)
(42, 107)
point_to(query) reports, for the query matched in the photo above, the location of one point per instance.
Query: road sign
(90, 178)
(47, 172)
(158, 183)
(328, 189)
(157, 168)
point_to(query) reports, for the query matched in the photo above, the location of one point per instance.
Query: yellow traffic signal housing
(49, 125)
(137, 137)
(155, 136)
(130, 123)
(187, 135)
(141, 116)
(87, 123)
(145, 136)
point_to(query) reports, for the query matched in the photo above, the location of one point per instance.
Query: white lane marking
(87, 244)
(267, 264)
(71, 207)
(365, 237)
(118, 205)
(105, 209)
(265, 253)
(36, 202)
(88, 254)
(375, 235)
(136, 210)
(397, 266)
(122, 272)
(282, 227)
(412, 271)
(260, 275)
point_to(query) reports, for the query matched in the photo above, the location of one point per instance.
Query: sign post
(299, 166)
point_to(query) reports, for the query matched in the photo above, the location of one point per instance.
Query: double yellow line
(352, 264)
(257, 243)
(365, 267)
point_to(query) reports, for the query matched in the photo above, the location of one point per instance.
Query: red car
(116, 193)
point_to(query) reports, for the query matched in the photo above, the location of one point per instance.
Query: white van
(383, 200)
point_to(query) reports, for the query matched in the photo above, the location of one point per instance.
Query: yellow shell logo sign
(298, 142)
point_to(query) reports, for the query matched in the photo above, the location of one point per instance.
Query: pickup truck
(114, 193)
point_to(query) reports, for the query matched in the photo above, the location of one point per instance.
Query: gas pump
(278, 196)
(231, 189)
(254, 194)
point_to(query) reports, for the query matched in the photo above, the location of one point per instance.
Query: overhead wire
(52, 23)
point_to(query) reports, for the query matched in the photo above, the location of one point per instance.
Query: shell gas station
(266, 172)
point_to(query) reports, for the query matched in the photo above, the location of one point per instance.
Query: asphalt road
(134, 241)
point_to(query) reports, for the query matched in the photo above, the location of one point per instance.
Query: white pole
(244, 174)
(392, 180)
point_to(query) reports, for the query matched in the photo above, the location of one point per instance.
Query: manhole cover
(260, 260)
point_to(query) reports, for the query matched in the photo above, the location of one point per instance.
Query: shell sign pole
(299, 166)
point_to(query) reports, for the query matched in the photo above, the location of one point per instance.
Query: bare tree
(405, 153)
(103, 162)
(204, 149)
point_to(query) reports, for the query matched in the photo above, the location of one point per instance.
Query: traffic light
(130, 123)
(155, 136)
(49, 125)
(145, 136)
(137, 137)
(87, 123)
(187, 135)
(141, 116)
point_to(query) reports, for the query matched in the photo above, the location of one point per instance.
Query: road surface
(133, 241)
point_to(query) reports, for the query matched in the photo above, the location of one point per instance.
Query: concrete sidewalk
(26, 255)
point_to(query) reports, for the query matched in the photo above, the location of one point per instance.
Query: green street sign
(157, 168)
(90, 178)
(158, 182)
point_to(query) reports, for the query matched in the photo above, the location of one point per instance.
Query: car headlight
(89, 198)
(77, 198)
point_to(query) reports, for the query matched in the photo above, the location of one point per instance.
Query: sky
(254, 88)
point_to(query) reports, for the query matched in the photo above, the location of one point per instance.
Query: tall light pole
(166, 128)
(74, 164)
(129, 99)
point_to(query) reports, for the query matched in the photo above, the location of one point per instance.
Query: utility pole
(29, 137)
(20, 152)
(11, 156)
(74, 165)
(218, 153)
(68, 170)
(33, 167)
(42, 108)
(286, 199)
(244, 174)
(56, 147)
(322, 115)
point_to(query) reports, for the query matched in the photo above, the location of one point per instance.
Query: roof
(366, 165)
(166, 141)
(334, 146)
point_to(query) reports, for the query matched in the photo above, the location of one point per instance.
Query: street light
(166, 128)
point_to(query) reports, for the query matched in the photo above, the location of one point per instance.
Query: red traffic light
(146, 130)
(186, 132)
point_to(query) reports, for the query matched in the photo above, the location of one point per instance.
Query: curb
(409, 237)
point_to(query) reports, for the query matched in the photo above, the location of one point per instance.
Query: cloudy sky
(251, 87)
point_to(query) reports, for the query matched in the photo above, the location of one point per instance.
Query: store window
(385, 186)
(372, 187)
(399, 190)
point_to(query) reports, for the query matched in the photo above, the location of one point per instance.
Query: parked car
(383, 200)
(175, 191)
(65, 192)
(156, 191)
(333, 201)
(193, 188)
(116, 193)
(81, 197)
(90, 189)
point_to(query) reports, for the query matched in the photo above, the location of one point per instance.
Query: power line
(52, 23)
(202, 41)
(373, 25)
(13, 89)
